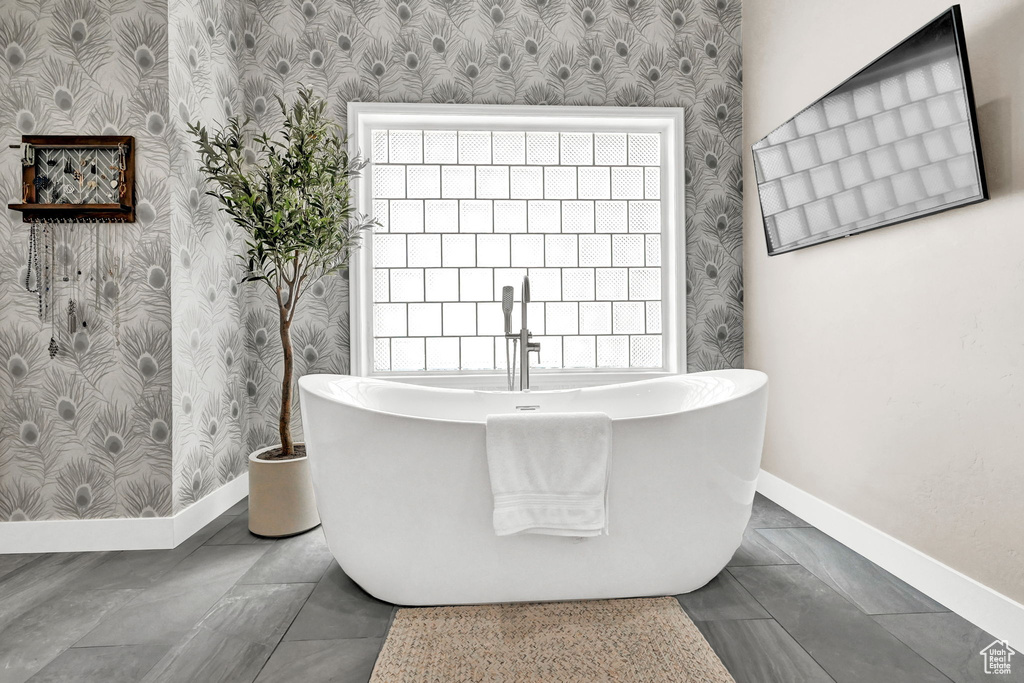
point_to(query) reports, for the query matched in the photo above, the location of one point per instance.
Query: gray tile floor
(793, 605)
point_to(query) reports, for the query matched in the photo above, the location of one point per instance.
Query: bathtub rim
(309, 383)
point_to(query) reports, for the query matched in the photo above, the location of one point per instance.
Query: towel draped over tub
(549, 473)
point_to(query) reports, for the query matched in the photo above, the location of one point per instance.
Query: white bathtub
(400, 476)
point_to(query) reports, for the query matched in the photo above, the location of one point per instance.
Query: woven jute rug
(644, 639)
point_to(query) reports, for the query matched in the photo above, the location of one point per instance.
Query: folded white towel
(549, 473)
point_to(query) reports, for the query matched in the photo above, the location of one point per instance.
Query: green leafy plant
(291, 193)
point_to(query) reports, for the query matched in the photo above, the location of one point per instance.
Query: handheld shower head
(507, 294)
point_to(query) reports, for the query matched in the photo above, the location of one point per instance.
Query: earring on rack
(41, 182)
(122, 188)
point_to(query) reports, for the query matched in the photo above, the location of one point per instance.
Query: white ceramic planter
(281, 501)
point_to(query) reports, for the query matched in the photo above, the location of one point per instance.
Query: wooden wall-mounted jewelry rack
(72, 178)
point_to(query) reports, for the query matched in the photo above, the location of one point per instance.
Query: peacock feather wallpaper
(87, 434)
(176, 382)
(208, 302)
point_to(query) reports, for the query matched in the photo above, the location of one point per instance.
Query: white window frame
(365, 117)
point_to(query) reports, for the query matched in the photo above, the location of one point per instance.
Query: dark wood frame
(123, 212)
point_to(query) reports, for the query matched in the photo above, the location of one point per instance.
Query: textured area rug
(644, 639)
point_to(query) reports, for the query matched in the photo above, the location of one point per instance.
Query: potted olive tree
(291, 194)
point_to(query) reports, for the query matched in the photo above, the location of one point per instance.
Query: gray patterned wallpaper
(87, 434)
(207, 306)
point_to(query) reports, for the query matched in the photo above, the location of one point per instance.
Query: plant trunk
(285, 426)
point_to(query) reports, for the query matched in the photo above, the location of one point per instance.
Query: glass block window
(466, 212)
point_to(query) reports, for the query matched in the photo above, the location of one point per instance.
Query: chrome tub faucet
(520, 339)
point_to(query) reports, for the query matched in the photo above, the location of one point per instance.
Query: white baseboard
(149, 533)
(979, 604)
(209, 507)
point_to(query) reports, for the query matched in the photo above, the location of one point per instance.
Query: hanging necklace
(64, 255)
(118, 264)
(39, 274)
(45, 285)
(34, 285)
(28, 271)
(96, 278)
(72, 312)
(79, 265)
(33, 261)
(51, 249)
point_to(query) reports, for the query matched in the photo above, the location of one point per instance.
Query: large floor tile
(170, 608)
(766, 514)
(38, 580)
(239, 507)
(212, 656)
(237, 636)
(237, 532)
(8, 563)
(260, 613)
(299, 559)
(143, 568)
(130, 569)
(119, 664)
(760, 651)
(951, 643)
(322, 661)
(756, 550)
(207, 532)
(843, 640)
(722, 598)
(856, 578)
(339, 609)
(37, 636)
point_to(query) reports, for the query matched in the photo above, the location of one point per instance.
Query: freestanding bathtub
(400, 477)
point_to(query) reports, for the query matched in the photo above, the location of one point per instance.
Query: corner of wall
(206, 295)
